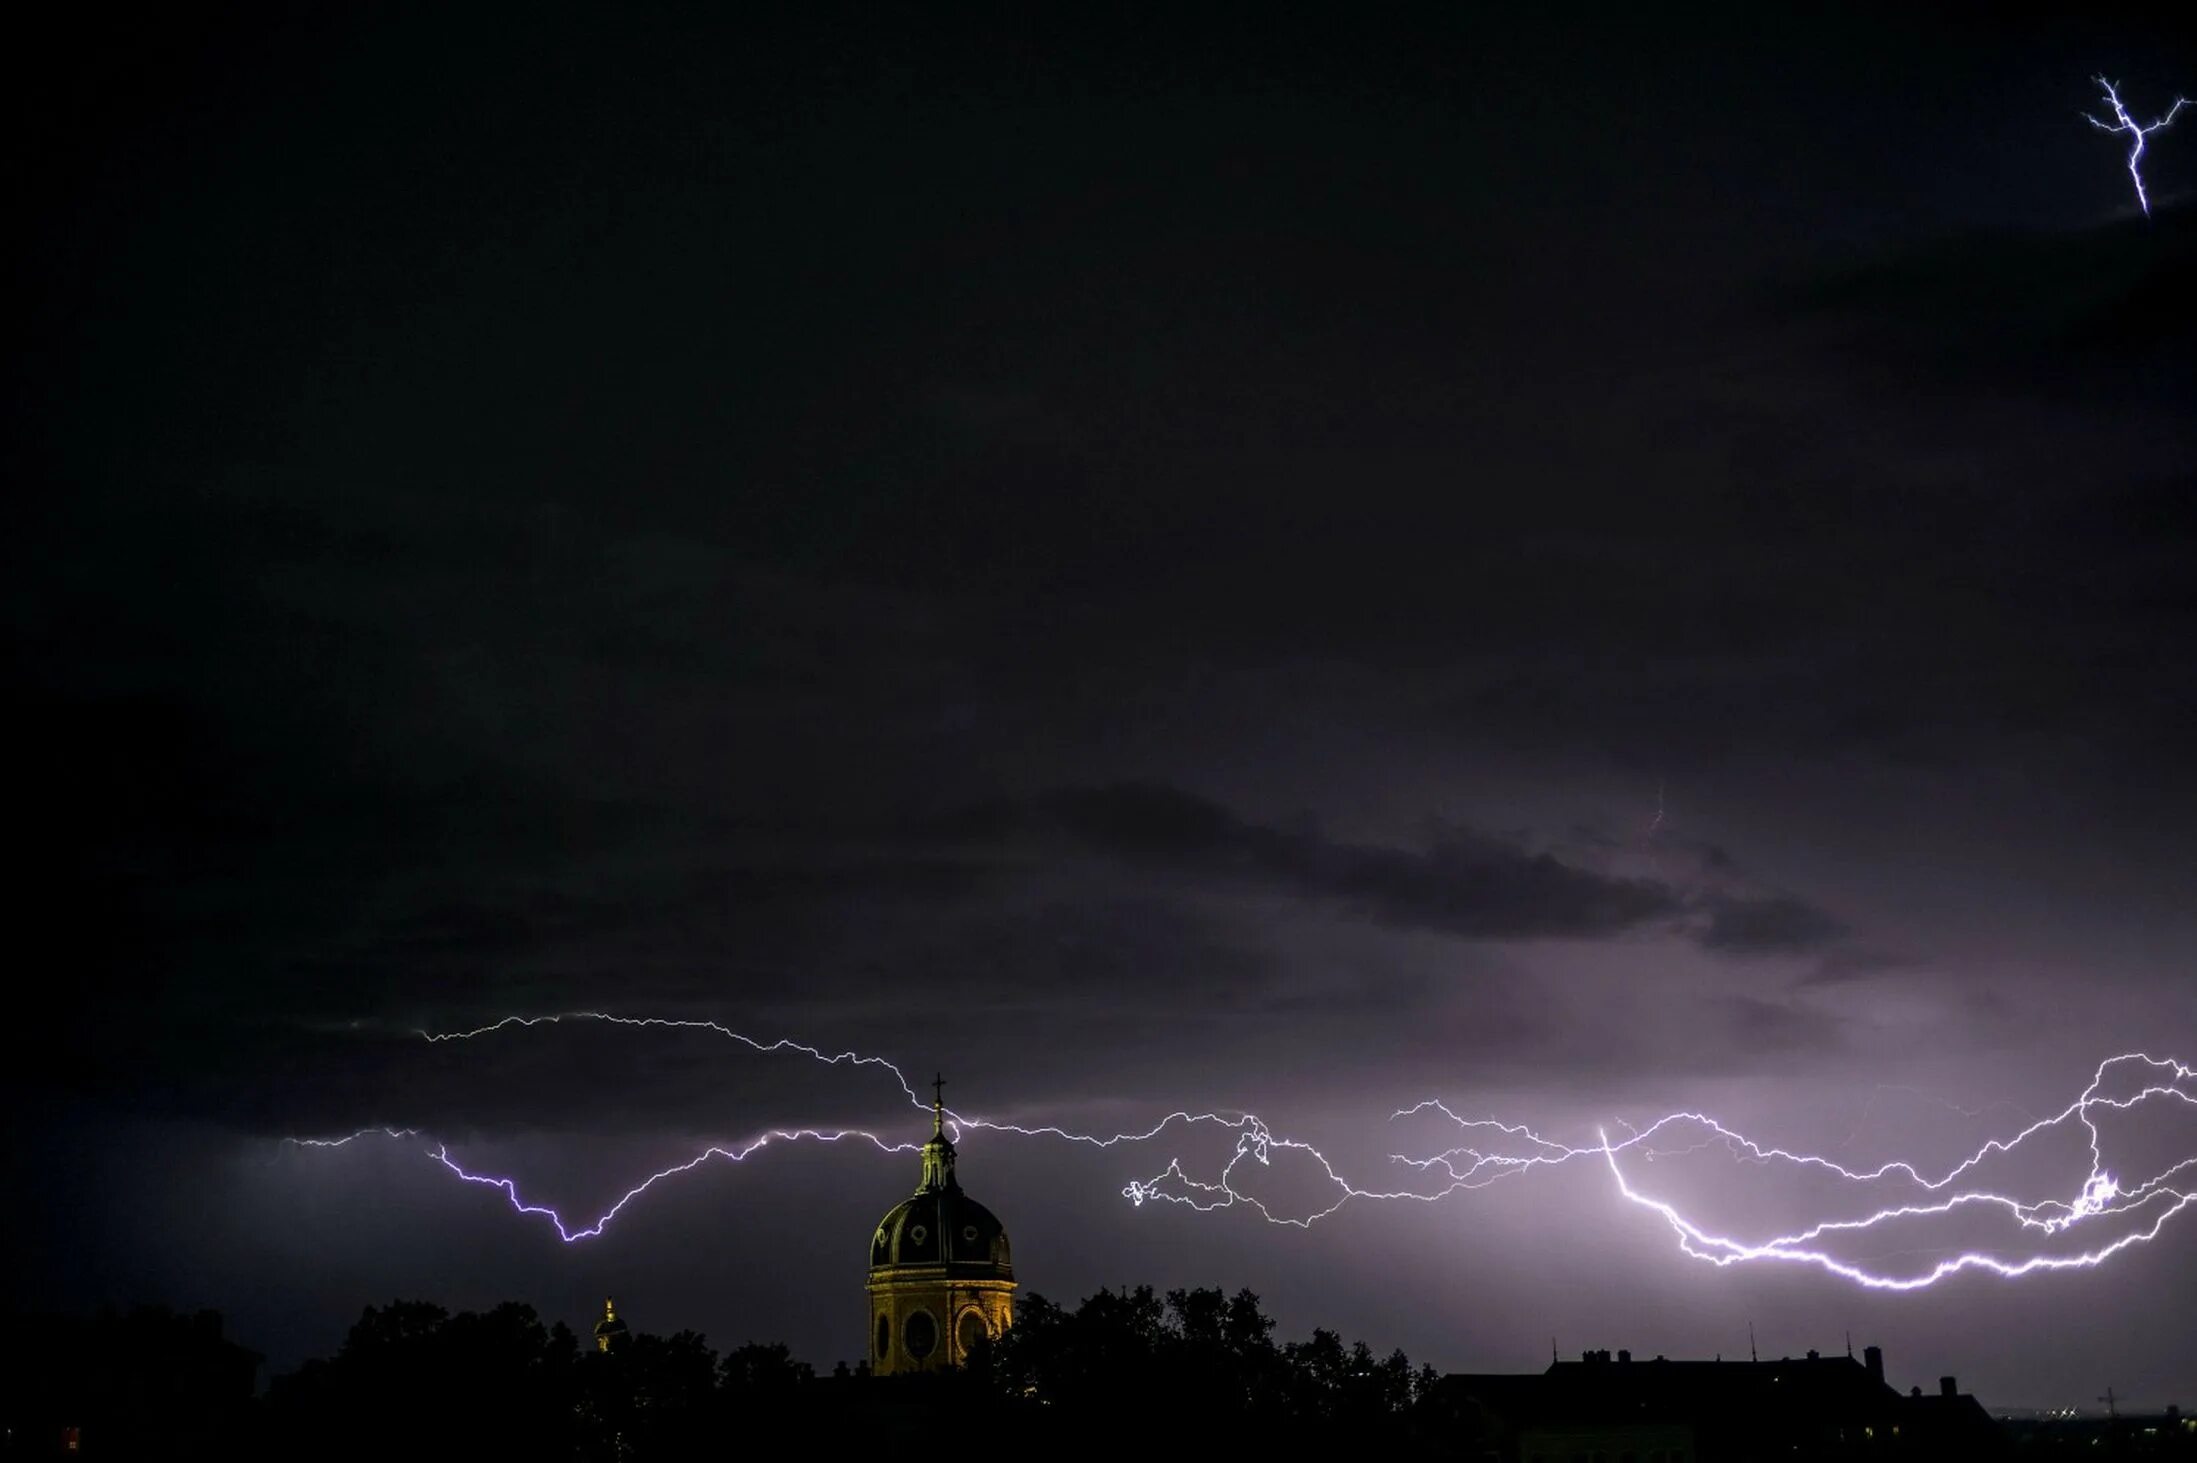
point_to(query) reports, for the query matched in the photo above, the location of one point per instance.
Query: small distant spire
(1752, 1354)
(1849, 1346)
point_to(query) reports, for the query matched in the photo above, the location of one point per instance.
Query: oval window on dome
(918, 1233)
(968, 1233)
(920, 1335)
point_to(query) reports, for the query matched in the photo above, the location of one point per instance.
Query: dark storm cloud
(2082, 315)
(1069, 948)
(1771, 925)
(1770, 1029)
(1854, 962)
(1462, 883)
(519, 528)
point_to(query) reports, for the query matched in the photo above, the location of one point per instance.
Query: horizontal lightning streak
(1508, 1150)
(739, 1154)
(1721, 1250)
(352, 1137)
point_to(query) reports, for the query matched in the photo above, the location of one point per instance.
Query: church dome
(939, 1225)
(942, 1281)
(942, 1227)
(610, 1332)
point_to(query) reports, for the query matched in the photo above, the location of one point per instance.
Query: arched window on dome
(920, 1335)
(884, 1336)
(971, 1330)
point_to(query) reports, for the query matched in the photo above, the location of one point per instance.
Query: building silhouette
(940, 1276)
(1600, 1410)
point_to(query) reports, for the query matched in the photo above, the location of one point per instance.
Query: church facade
(941, 1278)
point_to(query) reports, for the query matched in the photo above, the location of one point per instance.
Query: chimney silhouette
(1946, 1387)
(1872, 1357)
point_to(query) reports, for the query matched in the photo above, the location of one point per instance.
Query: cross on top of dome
(938, 1154)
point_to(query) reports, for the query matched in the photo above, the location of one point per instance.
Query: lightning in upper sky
(348, 1138)
(1884, 1198)
(2137, 132)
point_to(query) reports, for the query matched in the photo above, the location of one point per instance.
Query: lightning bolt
(2137, 132)
(352, 1137)
(1495, 1150)
(570, 1235)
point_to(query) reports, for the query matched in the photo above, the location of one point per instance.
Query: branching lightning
(738, 1154)
(2043, 1231)
(2137, 132)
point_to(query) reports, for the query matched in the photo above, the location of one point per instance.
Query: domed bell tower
(940, 1276)
(610, 1332)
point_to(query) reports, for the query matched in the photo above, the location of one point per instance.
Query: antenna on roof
(1752, 1354)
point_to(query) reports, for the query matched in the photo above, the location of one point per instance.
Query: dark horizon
(1582, 566)
(1861, 1354)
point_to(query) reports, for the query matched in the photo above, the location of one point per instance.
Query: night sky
(1282, 559)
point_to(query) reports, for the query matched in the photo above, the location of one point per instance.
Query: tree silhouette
(410, 1375)
(128, 1383)
(416, 1381)
(1201, 1361)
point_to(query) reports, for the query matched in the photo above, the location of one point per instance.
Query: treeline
(414, 1380)
(1197, 1354)
(143, 1383)
(501, 1383)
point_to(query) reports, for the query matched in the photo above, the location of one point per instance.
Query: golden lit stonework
(610, 1332)
(940, 1276)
